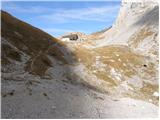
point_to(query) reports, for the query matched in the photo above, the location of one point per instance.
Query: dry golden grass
(145, 93)
(123, 60)
(9, 52)
(138, 37)
(98, 35)
(120, 58)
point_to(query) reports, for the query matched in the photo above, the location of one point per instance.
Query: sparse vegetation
(138, 37)
(101, 75)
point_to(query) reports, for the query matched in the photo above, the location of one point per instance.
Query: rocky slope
(113, 69)
(136, 26)
(125, 61)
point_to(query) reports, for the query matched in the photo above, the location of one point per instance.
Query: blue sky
(57, 18)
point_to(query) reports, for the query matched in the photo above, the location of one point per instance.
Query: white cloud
(105, 13)
(100, 14)
(10, 6)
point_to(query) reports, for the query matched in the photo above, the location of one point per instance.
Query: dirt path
(58, 99)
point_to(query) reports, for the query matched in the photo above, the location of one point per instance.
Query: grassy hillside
(21, 38)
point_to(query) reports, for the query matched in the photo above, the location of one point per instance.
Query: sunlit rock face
(136, 26)
(140, 19)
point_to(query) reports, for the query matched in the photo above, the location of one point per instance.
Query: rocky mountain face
(136, 26)
(112, 74)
